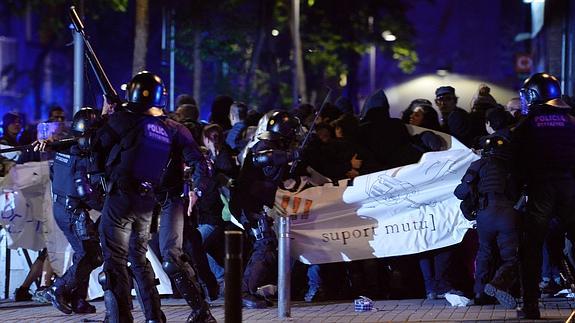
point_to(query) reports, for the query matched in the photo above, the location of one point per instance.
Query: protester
(236, 137)
(454, 120)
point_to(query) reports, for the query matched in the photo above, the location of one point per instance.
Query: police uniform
(264, 169)
(136, 149)
(497, 220)
(545, 157)
(71, 182)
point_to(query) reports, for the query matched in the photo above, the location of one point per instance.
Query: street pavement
(411, 310)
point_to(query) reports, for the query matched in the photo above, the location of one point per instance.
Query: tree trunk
(263, 27)
(141, 36)
(299, 87)
(352, 84)
(197, 68)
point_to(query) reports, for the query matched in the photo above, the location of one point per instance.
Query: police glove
(83, 188)
(295, 154)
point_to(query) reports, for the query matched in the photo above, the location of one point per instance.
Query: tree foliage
(51, 13)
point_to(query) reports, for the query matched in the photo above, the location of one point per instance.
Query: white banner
(26, 212)
(401, 211)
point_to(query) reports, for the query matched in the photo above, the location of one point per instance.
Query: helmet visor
(526, 97)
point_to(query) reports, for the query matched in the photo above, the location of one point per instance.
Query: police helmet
(540, 88)
(496, 146)
(144, 91)
(85, 120)
(281, 125)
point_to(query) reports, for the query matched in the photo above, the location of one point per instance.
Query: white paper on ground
(456, 300)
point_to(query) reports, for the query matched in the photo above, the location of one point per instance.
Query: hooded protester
(221, 110)
(384, 140)
(344, 105)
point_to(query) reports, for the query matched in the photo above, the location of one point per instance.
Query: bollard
(284, 272)
(233, 277)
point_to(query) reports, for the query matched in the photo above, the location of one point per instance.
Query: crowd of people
(136, 163)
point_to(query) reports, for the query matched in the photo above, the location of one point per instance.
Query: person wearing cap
(544, 154)
(454, 120)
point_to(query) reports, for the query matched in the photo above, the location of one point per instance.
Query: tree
(220, 34)
(234, 43)
(140, 36)
(335, 37)
(51, 35)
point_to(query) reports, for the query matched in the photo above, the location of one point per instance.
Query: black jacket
(544, 144)
(385, 142)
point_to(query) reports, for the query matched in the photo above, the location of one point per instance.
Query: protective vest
(143, 152)
(489, 176)
(63, 171)
(546, 143)
(495, 177)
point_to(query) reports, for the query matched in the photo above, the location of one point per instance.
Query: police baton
(308, 134)
(53, 144)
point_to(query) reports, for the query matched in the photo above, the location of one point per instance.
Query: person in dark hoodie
(221, 110)
(344, 105)
(384, 140)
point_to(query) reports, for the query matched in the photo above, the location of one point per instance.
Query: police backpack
(143, 153)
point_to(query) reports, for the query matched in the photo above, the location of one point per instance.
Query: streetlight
(388, 36)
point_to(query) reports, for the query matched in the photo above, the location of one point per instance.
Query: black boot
(162, 320)
(484, 299)
(187, 284)
(201, 316)
(529, 311)
(81, 306)
(253, 301)
(58, 297)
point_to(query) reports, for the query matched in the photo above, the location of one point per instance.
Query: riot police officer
(264, 170)
(75, 191)
(489, 182)
(183, 150)
(545, 158)
(134, 149)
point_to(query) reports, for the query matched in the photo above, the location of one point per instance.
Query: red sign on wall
(523, 63)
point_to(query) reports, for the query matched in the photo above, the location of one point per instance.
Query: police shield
(53, 130)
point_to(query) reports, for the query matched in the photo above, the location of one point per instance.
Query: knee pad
(171, 267)
(104, 280)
